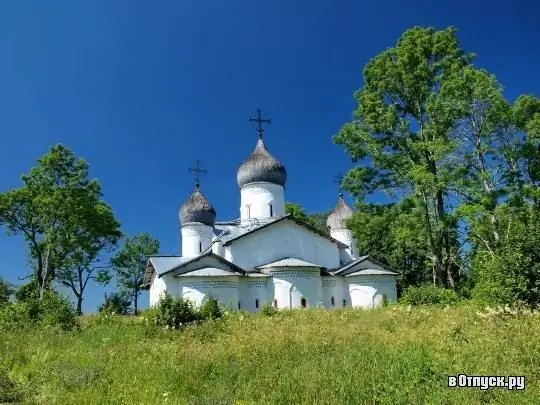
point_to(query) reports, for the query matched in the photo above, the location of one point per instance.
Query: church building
(267, 256)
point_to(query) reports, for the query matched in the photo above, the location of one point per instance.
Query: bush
(429, 295)
(116, 303)
(6, 291)
(27, 292)
(175, 312)
(268, 310)
(54, 310)
(211, 309)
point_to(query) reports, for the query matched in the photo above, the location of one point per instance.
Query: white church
(267, 256)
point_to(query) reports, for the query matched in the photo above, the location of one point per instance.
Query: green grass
(386, 356)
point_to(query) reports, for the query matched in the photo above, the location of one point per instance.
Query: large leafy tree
(60, 213)
(394, 234)
(130, 264)
(400, 137)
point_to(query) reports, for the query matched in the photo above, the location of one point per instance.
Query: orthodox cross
(260, 121)
(198, 170)
(338, 180)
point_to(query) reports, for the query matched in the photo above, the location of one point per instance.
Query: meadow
(392, 355)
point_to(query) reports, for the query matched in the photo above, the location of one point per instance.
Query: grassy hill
(389, 356)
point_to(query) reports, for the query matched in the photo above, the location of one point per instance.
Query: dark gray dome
(197, 209)
(261, 166)
(339, 217)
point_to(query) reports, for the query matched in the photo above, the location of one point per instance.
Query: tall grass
(388, 356)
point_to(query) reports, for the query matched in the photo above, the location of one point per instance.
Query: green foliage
(53, 310)
(176, 312)
(410, 103)
(130, 264)
(429, 295)
(10, 392)
(6, 291)
(407, 353)
(268, 310)
(61, 215)
(118, 303)
(510, 275)
(27, 292)
(211, 309)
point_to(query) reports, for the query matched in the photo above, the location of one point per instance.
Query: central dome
(261, 166)
(197, 209)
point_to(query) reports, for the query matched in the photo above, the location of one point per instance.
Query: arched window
(333, 301)
(238, 304)
(200, 247)
(275, 303)
(271, 210)
(344, 303)
(303, 302)
(248, 211)
(257, 303)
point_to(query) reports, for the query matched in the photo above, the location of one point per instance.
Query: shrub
(53, 310)
(268, 310)
(5, 291)
(211, 309)
(429, 295)
(175, 312)
(116, 303)
(27, 292)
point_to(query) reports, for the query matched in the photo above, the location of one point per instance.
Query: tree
(482, 180)
(6, 291)
(394, 234)
(117, 303)
(401, 135)
(60, 213)
(130, 264)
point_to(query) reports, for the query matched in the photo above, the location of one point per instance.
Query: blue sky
(142, 89)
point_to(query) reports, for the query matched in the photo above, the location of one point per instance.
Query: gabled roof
(289, 262)
(291, 218)
(208, 272)
(165, 264)
(208, 254)
(364, 266)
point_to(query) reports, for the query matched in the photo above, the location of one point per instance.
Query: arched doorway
(303, 302)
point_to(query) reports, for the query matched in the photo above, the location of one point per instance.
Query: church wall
(367, 291)
(157, 287)
(292, 284)
(331, 287)
(259, 196)
(284, 239)
(255, 293)
(223, 288)
(195, 238)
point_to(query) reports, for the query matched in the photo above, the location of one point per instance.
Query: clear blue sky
(142, 89)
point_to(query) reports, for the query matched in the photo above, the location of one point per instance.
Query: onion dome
(198, 209)
(339, 217)
(261, 166)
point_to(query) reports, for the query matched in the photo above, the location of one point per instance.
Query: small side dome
(339, 217)
(261, 166)
(198, 209)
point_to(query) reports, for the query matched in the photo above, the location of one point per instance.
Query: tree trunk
(79, 304)
(135, 300)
